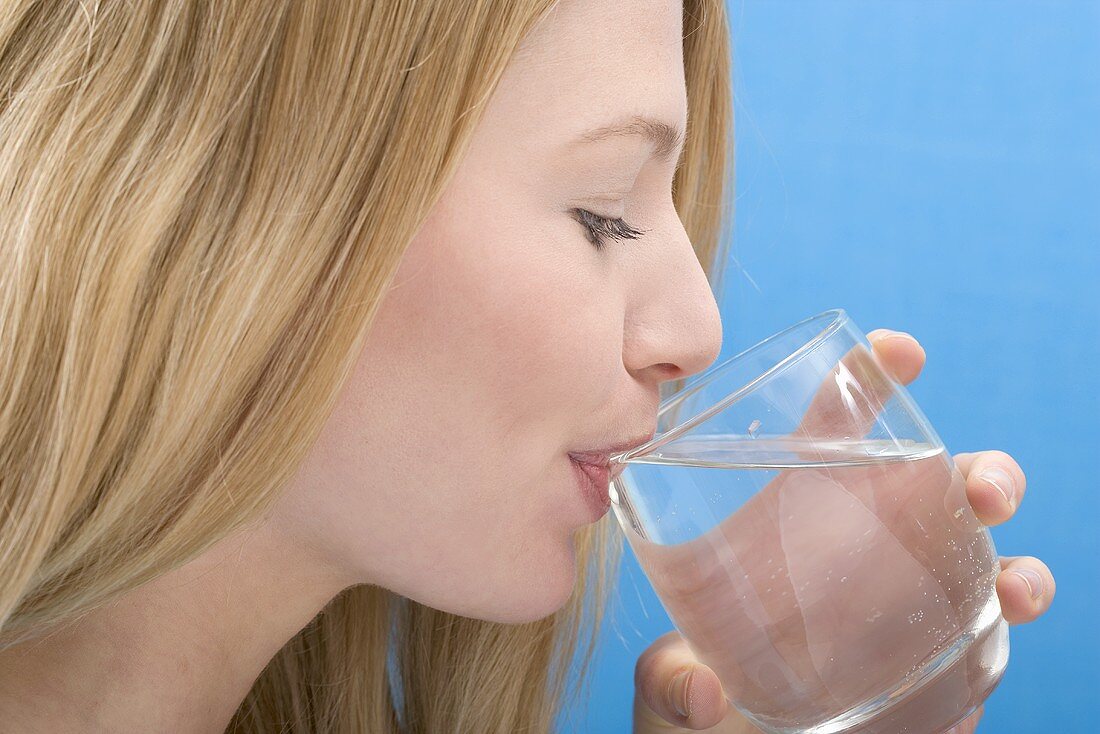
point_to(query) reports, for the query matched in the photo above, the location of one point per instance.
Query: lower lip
(593, 482)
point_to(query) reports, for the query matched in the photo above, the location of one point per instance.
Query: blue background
(932, 167)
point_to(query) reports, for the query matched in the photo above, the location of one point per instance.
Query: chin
(538, 592)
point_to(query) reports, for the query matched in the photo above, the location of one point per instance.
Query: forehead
(589, 63)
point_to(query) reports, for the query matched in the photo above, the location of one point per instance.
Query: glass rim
(837, 318)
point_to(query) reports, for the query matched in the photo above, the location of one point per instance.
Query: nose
(673, 326)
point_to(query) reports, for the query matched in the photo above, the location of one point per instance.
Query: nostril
(668, 371)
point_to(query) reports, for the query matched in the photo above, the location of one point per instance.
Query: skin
(1025, 586)
(506, 341)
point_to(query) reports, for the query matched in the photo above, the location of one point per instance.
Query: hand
(1025, 586)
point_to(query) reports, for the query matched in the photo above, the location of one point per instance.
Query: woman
(305, 307)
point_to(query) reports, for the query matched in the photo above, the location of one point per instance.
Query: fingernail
(678, 692)
(1033, 580)
(1002, 481)
(897, 335)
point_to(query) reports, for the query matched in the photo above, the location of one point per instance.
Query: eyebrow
(666, 138)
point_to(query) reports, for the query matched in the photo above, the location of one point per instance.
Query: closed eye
(600, 229)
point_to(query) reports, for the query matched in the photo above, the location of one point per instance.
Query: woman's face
(509, 340)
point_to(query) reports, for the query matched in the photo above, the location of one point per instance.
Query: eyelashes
(601, 229)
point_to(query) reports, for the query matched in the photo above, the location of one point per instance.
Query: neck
(177, 654)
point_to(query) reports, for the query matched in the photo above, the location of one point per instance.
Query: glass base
(942, 693)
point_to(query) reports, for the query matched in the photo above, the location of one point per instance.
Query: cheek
(520, 318)
(443, 474)
(411, 486)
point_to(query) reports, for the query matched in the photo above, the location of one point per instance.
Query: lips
(601, 462)
(602, 457)
(600, 475)
(593, 482)
(595, 458)
(595, 470)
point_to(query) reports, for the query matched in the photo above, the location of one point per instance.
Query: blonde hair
(201, 206)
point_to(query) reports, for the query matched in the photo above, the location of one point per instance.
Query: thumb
(672, 689)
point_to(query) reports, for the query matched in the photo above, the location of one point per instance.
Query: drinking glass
(810, 538)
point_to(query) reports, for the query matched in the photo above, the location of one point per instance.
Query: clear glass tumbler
(810, 537)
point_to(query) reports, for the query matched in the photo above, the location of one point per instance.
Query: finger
(995, 484)
(694, 701)
(850, 398)
(900, 353)
(1025, 587)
